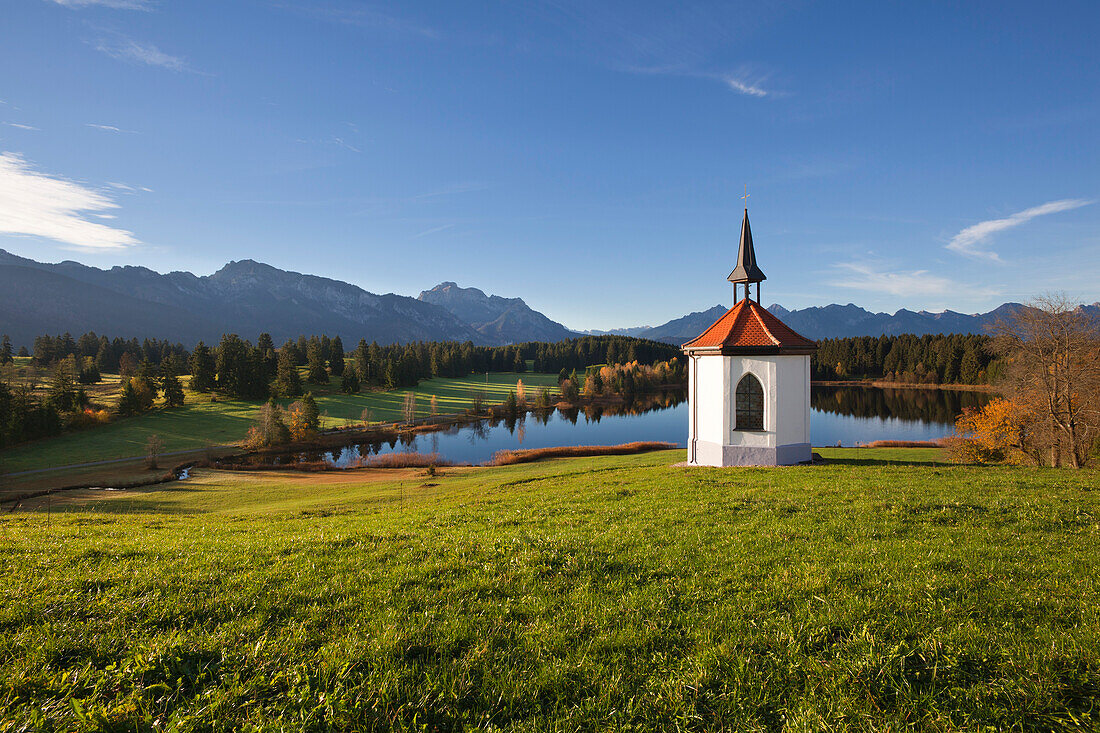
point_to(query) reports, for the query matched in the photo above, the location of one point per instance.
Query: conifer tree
(202, 368)
(233, 365)
(349, 382)
(170, 384)
(288, 383)
(971, 367)
(336, 357)
(5, 350)
(362, 362)
(316, 361)
(88, 372)
(63, 393)
(267, 358)
(128, 403)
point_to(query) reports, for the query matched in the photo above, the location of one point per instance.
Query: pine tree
(349, 382)
(511, 409)
(312, 414)
(971, 368)
(89, 372)
(258, 384)
(336, 357)
(128, 403)
(203, 368)
(288, 383)
(233, 365)
(316, 373)
(267, 358)
(362, 362)
(63, 393)
(5, 350)
(103, 362)
(170, 384)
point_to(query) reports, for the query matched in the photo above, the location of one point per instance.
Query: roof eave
(748, 350)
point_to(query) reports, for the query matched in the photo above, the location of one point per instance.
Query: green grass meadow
(202, 422)
(882, 591)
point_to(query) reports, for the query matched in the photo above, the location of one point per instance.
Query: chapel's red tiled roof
(748, 325)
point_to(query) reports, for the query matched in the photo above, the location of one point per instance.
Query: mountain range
(249, 297)
(837, 321)
(497, 319)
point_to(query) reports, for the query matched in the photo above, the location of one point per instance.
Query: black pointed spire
(746, 270)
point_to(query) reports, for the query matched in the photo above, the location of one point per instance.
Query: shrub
(994, 434)
(508, 457)
(404, 460)
(88, 417)
(269, 429)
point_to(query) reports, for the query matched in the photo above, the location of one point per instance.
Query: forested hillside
(928, 359)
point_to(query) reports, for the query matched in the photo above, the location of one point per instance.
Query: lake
(845, 415)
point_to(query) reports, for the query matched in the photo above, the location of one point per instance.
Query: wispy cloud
(741, 81)
(141, 53)
(127, 188)
(105, 128)
(37, 204)
(20, 126)
(969, 241)
(333, 140)
(117, 4)
(872, 278)
(342, 143)
(745, 87)
(433, 230)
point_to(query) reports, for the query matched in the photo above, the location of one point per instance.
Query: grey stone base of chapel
(712, 454)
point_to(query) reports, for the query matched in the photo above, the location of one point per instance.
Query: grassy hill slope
(871, 593)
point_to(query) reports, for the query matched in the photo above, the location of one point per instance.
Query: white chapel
(748, 381)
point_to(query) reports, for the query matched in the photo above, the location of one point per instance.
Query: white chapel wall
(713, 396)
(764, 369)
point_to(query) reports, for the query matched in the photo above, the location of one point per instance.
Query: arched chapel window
(750, 404)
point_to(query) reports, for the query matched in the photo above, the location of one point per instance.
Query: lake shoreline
(402, 431)
(883, 384)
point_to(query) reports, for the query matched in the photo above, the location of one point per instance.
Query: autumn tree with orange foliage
(996, 433)
(305, 419)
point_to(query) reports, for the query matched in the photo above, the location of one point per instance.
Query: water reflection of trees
(927, 405)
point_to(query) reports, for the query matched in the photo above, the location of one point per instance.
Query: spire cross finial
(745, 198)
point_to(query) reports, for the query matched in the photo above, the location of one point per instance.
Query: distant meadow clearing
(203, 422)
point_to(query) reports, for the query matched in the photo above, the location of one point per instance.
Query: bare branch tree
(1052, 351)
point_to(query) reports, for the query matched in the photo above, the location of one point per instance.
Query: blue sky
(589, 157)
